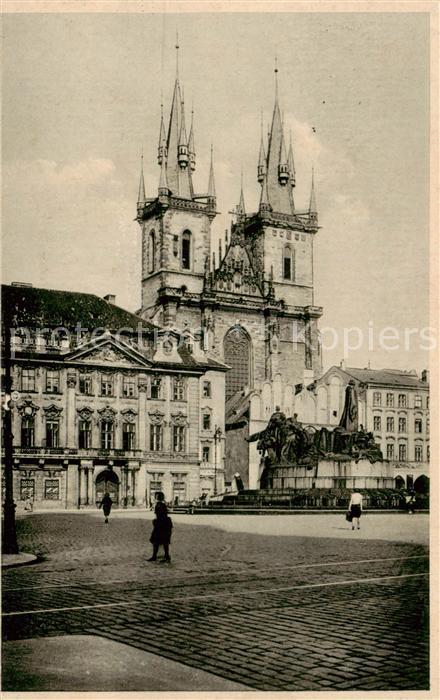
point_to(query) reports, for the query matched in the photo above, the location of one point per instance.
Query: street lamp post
(217, 438)
(9, 535)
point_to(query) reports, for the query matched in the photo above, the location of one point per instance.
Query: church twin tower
(252, 305)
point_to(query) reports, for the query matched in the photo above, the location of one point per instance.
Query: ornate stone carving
(129, 415)
(156, 417)
(108, 354)
(28, 408)
(52, 412)
(71, 379)
(179, 419)
(107, 413)
(85, 413)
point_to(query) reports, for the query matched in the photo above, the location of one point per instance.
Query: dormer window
(186, 250)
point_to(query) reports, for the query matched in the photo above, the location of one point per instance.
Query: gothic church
(253, 306)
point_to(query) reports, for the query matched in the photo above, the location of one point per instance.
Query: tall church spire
(241, 211)
(313, 212)
(277, 177)
(261, 170)
(163, 180)
(178, 174)
(162, 138)
(141, 193)
(291, 164)
(191, 147)
(211, 184)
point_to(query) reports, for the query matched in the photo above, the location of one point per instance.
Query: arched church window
(287, 263)
(237, 354)
(152, 251)
(186, 250)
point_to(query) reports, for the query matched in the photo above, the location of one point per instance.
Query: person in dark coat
(162, 526)
(106, 505)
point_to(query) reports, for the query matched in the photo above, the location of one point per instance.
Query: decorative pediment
(236, 273)
(156, 417)
(179, 418)
(129, 416)
(28, 408)
(109, 353)
(52, 412)
(107, 413)
(85, 413)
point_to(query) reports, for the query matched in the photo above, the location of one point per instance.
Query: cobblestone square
(331, 610)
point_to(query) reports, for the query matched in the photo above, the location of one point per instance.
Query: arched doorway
(237, 354)
(107, 481)
(399, 482)
(421, 484)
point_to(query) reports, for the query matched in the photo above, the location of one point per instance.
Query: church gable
(108, 352)
(236, 273)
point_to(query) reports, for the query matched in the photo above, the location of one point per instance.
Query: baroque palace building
(103, 400)
(392, 404)
(253, 302)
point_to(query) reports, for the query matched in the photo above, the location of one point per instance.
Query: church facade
(253, 303)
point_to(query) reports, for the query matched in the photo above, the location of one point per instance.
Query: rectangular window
(128, 436)
(156, 434)
(377, 423)
(377, 398)
(155, 486)
(427, 452)
(418, 425)
(27, 432)
(85, 384)
(186, 251)
(52, 433)
(390, 425)
(402, 452)
(53, 381)
(155, 388)
(51, 489)
(28, 380)
(178, 389)
(418, 453)
(179, 438)
(106, 435)
(390, 451)
(402, 400)
(206, 390)
(27, 489)
(287, 267)
(402, 425)
(129, 387)
(84, 435)
(390, 399)
(427, 402)
(206, 421)
(205, 454)
(106, 385)
(179, 491)
(417, 401)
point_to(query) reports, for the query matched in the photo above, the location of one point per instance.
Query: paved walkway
(265, 611)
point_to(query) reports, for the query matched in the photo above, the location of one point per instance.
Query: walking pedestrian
(162, 526)
(106, 505)
(355, 508)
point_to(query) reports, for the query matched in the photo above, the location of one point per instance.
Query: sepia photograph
(219, 329)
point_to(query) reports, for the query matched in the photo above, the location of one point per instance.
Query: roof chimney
(111, 298)
(342, 364)
(425, 375)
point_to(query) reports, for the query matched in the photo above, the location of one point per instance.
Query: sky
(81, 99)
